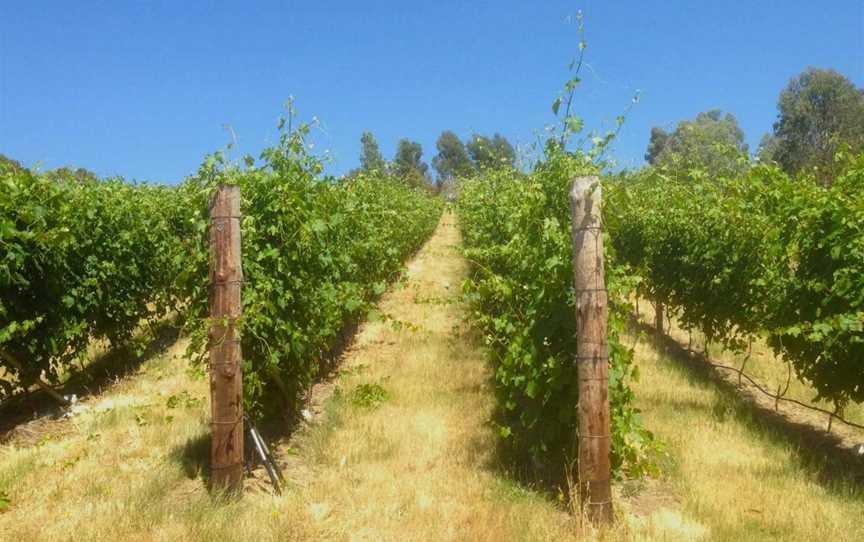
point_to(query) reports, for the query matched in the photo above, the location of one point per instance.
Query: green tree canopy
(491, 153)
(69, 174)
(818, 111)
(6, 162)
(767, 148)
(64, 173)
(407, 163)
(659, 137)
(452, 159)
(712, 141)
(371, 158)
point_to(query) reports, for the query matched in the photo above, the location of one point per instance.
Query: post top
(225, 201)
(583, 185)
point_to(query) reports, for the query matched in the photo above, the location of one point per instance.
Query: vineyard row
(84, 260)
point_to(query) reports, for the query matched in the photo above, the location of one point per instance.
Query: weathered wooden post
(226, 377)
(592, 354)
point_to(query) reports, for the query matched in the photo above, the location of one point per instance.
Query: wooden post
(226, 377)
(592, 351)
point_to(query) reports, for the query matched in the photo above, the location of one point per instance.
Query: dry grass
(417, 466)
(772, 373)
(411, 459)
(733, 473)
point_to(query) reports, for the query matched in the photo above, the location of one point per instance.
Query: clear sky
(142, 89)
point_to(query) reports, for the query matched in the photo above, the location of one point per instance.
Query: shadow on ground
(194, 457)
(835, 466)
(508, 462)
(98, 375)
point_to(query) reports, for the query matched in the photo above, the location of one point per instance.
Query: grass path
(399, 447)
(419, 465)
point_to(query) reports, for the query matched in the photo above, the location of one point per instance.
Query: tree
(767, 149)
(452, 159)
(659, 138)
(504, 151)
(712, 141)
(407, 163)
(491, 153)
(480, 150)
(66, 173)
(370, 155)
(9, 163)
(818, 111)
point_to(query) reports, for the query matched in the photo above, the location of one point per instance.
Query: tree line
(65, 172)
(819, 113)
(454, 158)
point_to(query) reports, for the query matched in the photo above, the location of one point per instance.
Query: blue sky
(142, 89)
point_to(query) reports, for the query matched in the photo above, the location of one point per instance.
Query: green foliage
(759, 254)
(7, 163)
(371, 159)
(452, 159)
(571, 124)
(494, 152)
(68, 174)
(517, 236)
(80, 260)
(819, 319)
(183, 399)
(767, 149)
(712, 141)
(516, 231)
(408, 164)
(659, 138)
(819, 112)
(369, 395)
(316, 252)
